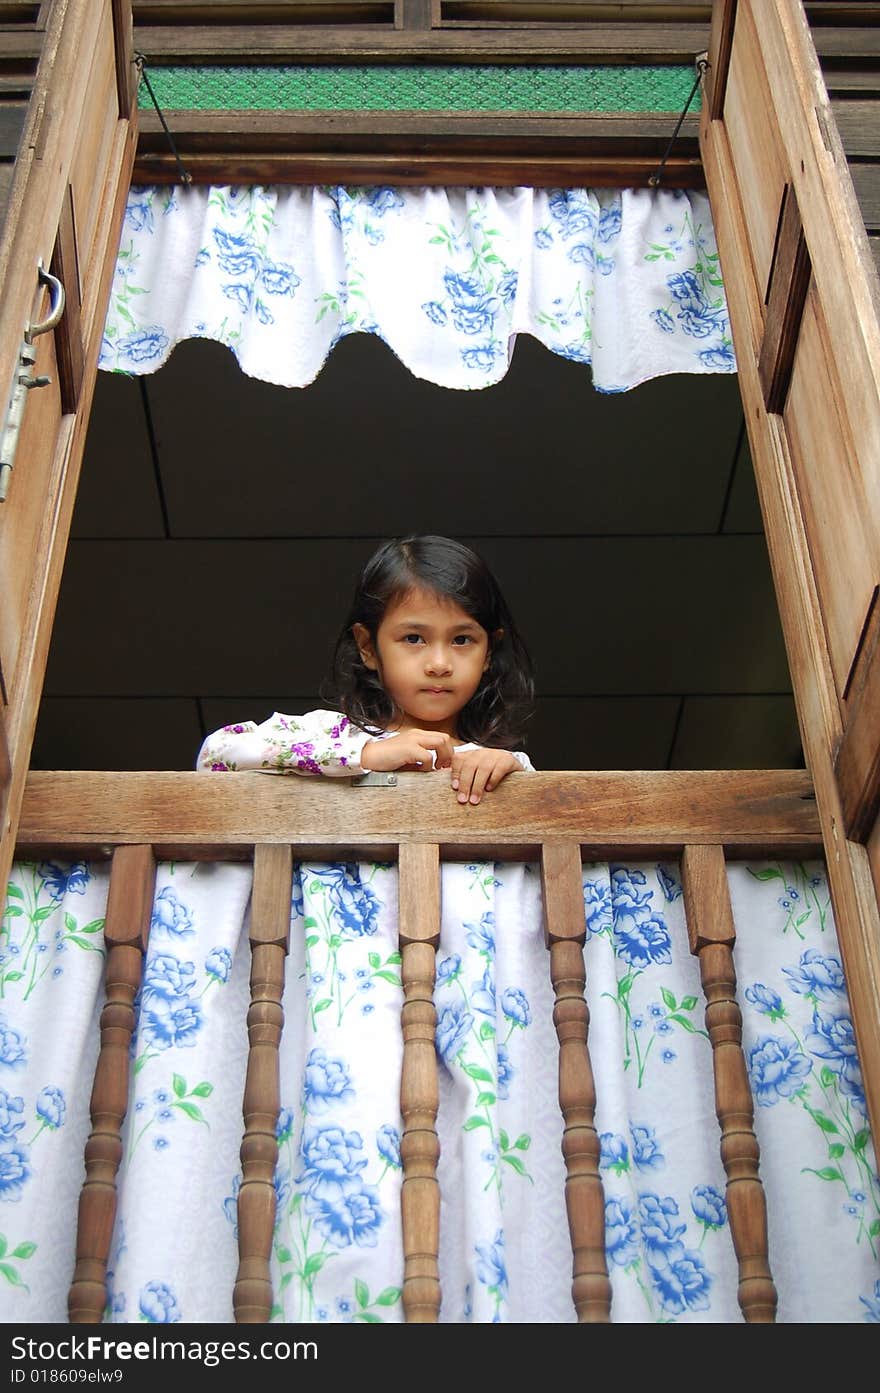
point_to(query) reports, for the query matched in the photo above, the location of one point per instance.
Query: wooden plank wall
(22, 28)
(849, 50)
(847, 37)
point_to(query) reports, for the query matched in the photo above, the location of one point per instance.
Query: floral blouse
(320, 742)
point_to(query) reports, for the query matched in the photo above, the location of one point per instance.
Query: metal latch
(374, 779)
(24, 381)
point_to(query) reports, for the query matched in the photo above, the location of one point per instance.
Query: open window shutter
(803, 297)
(64, 208)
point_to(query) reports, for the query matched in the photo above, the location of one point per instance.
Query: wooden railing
(558, 820)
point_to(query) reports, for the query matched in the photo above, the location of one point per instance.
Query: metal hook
(56, 305)
(24, 380)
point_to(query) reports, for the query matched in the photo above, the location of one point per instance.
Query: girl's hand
(475, 772)
(412, 749)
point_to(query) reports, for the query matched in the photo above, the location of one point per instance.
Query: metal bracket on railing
(375, 779)
(24, 381)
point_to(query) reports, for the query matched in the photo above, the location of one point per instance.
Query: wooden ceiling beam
(288, 43)
(429, 171)
(438, 148)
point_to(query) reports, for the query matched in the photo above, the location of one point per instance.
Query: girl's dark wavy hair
(504, 701)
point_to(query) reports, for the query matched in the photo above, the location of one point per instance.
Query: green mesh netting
(410, 87)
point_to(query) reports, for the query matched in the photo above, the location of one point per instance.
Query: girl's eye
(412, 639)
(462, 639)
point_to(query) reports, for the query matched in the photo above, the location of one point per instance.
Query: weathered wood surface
(866, 181)
(307, 43)
(427, 148)
(470, 170)
(711, 935)
(857, 762)
(718, 58)
(423, 137)
(419, 900)
(873, 848)
(12, 117)
(68, 334)
(269, 940)
(565, 934)
(127, 926)
(5, 762)
(857, 124)
(449, 131)
(836, 481)
(789, 281)
(126, 72)
(6, 171)
(207, 816)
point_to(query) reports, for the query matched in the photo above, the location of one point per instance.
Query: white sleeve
(320, 742)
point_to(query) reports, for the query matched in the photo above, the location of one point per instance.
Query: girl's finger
(466, 780)
(439, 746)
(478, 787)
(445, 753)
(496, 774)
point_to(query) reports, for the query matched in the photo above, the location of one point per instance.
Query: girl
(429, 672)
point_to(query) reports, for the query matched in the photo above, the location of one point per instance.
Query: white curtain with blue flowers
(505, 1254)
(625, 280)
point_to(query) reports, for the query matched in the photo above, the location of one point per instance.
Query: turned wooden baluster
(565, 933)
(711, 935)
(269, 940)
(420, 1146)
(126, 928)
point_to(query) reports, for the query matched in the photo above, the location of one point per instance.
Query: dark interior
(221, 522)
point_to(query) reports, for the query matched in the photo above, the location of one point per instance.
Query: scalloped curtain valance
(624, 280)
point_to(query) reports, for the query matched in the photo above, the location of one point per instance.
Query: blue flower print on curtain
(184, 1118)
(668, 1243)
(468, 1037)
(817, 1160)
(158, 1304)
(337, 1254)
(504, 1237)
(696, 304)
(625, 280)
(584, 224)
(872, 1305)
(477, 284)
(640, 934)
(359, 212)
(51, 988)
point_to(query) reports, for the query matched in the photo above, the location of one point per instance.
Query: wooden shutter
(65, 204)
(803, 296)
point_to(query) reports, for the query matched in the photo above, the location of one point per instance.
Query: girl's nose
(437, 661)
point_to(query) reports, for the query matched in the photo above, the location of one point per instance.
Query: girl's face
(430, 655)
